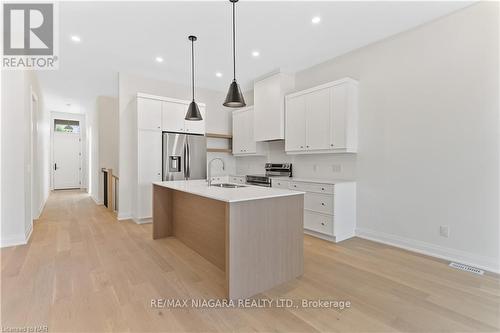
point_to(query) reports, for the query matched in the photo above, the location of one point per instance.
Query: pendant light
(234, 97)
(193, 112)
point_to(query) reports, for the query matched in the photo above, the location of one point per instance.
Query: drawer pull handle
(322, 189)
(322, 204)
(322, 223)
(294, 185)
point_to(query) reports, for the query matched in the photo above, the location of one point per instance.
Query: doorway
(67, 150)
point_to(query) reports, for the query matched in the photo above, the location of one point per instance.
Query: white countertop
(249, 192)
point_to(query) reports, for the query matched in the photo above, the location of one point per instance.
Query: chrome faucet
(209, 177)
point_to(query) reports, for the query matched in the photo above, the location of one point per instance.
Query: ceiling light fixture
(193, 112)
(316, 19)
(256, 53)
(234, 97)
(218, 74)
(159, 59)
(76, 39)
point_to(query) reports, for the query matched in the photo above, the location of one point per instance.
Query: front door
(67, 156)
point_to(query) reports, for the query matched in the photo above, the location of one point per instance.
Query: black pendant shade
(193, 112)
(234, 97)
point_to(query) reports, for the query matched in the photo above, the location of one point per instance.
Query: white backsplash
(317, 166)
(229, 163)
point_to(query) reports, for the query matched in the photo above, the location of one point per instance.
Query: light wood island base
(257, 243)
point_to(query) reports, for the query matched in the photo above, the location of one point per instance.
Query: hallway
(84, 271)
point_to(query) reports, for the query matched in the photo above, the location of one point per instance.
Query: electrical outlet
(444, 231)
(336, 168)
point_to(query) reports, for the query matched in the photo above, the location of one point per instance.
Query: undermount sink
(226, 185)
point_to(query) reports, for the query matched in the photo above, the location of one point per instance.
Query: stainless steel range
(272, 170)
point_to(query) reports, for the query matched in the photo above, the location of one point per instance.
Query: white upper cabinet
(318, 119)
(243, 133)
(269, 106)
(167, 114)
(322, 119)
(295, 123)
(239, 132)
(195, 126)
(148, 114)
(173, 116)
(343, 125)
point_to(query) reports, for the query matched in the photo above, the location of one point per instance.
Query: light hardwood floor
(84, 271)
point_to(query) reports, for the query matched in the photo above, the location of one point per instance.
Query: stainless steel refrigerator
(184, 156)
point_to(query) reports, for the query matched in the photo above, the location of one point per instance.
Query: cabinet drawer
(237, 180)
(312, 187)
(322, 203)
(280, 183)
(318, 222)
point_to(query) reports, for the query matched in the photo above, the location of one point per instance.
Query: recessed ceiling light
(76, 39)
(316, 19)
(255, 53)
(159, 59)
(218, 74)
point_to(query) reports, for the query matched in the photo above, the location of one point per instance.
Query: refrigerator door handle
(188, 157)
(185, 161)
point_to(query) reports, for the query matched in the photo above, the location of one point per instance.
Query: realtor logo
(29, 36)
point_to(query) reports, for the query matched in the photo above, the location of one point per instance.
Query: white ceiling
(127, 36)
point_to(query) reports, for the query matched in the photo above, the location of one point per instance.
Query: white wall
(428, 136)
(16, 160)
(42, 163)
(108, 124)
(218, 120)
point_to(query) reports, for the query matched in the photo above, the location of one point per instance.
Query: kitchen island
(253, 234)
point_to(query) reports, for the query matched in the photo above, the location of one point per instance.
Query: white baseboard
(319, 235)
(28, 232)
(13, 240)
(123, 216)
(486, 263)
(97, 202)
(42, 206)
(20, 239)
(143, 220)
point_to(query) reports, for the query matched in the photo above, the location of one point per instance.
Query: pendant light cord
(234, 45)
(192, 64)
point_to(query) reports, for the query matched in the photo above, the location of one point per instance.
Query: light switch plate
(444, 231)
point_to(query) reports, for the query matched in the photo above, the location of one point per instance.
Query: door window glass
(66, 126)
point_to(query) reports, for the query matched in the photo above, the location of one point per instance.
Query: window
(66, 126)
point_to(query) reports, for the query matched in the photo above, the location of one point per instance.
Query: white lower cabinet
(279, 183)
(329, 209)
(237, 179)
(322, 203)
(318, 222)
